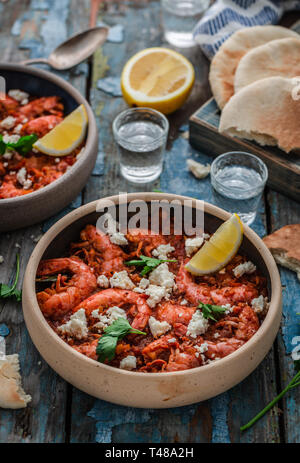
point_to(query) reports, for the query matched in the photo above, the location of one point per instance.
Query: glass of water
(179, 19)
(141, 136)
(238, 180)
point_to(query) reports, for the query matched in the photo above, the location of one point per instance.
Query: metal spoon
(74, 50)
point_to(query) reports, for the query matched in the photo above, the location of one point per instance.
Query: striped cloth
(225, 17)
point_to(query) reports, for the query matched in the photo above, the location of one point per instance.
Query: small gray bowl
(35, 207)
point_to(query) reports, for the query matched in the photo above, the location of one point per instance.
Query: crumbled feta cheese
(198, 325)
(1, 259)
(128, 363)
(121, 280)
(102, 281)
(155, 293)
(158, 328)
(184, 302)
(21, 177)
(202, 348)
(246, 267)
(260, 304)
(193, 244)
(18, 95)
(111, 315)
(24, 101)
(228, 308)
(216, 335)
(198, 170)
(57, 160)
(5, 164)
(77, 325)
(161, 276)
(162, 251)
(180, 314)
(143, 284)
(18, 128)
(172, 340)
(118, 238)
(11, 138)
(8, 122)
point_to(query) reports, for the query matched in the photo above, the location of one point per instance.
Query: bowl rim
(90, 138)
(50, 235)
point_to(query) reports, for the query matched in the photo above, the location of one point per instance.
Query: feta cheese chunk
(102, 281)
(8, 122)
(143, 284)
(193, 244)
(128, 363)
(260, 304)
(21, 177)
(111, 315)
(155, 293)
(162, 251)
(202, 348)
(76, 327)
(198, 170)
(118, 238)
(198, 325)
(161, 276)
(158, 328)
(121, 280)
(11, 138)
(19, 95)
(246, 267)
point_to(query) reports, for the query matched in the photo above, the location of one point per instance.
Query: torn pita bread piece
(275, 58)
(12, 394)
(266, 112)
(284, 245)
(226, 60)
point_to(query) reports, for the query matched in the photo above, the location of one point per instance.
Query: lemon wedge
(157, 78)
(66, 136)
(219, 249)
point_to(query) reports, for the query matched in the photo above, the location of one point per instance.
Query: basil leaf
(149, 263)
(208, 310)
(106, 348)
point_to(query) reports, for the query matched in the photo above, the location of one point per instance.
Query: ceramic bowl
(148, 390)
(37, 206)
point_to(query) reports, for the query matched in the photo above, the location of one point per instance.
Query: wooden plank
(284, 170)
(39, 27)
(283, 212)
(216, 420)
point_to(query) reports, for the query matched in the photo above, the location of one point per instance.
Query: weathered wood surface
(60, 412)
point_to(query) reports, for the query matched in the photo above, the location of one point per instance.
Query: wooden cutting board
(284, 169)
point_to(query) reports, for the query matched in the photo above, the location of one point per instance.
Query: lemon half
(157, 78)
(219, 249)
(66, 136)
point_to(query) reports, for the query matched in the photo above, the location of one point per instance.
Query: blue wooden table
(58, 411)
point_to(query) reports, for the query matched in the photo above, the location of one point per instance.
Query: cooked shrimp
(56, 301)
(183, 360)
(193, 292)
(234, 294)
(145, 241)
(119, 297)
(41, 125)
(42, 106)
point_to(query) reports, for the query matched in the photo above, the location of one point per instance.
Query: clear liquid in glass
(238, 189)
(179, 19)
(141, 145)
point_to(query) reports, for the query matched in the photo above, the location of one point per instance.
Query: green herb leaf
(209, 309)
(106, 348)
(107, 344)
(22, 146)
(149, 263)
(294, 383)
(11, 291)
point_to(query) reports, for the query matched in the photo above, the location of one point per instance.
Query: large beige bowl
(152, 390)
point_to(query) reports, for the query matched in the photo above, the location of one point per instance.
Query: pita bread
(275, 58)
(11, 393)
(284, 244)
(225, 61)
(266, 112)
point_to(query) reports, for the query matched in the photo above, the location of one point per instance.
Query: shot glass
(179, 19)
(238, 180)
(141, 135)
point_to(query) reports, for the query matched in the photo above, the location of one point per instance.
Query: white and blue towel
(225, 17)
